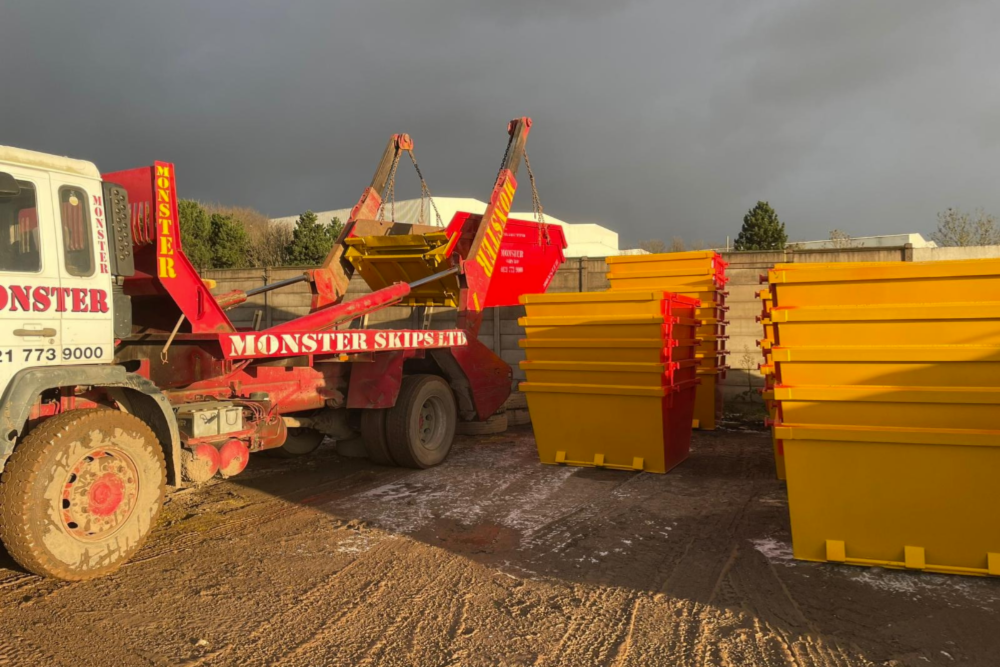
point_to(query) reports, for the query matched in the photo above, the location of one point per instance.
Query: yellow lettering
(167, 268)
(164, 210)
(163, 170)
(162, 194)
(489, 241)
(166, 245)
(165, 225)
(487, 266)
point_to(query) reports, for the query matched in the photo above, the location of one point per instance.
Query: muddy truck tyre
(420, 428)
(374, 435)
(80, 494)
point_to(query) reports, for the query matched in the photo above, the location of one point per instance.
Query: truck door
(84, 275)
(30, 327)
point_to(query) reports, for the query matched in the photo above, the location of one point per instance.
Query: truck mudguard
(137, 394)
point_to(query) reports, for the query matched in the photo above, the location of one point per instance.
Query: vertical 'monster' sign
(166, 227)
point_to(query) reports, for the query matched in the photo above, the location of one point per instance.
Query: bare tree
(654, 246)
(958, 228)
(699, 244)
(677, 244)
(268, 240)
(841, 239)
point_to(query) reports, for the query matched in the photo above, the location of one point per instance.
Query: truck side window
(77, 249)
(19, 237)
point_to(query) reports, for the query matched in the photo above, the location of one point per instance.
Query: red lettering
(104, 268)
(100, 234)
(79, 300)
(3, 297)
(61, 293)
(21, 298)
(98, 301)
(42, 302)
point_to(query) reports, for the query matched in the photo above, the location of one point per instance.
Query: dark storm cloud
(657, 119)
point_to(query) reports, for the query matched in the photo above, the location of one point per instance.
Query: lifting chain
(536, 203)
(510, 140)
(425, 192)
(391, 189)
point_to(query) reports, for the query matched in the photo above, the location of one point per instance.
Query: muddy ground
(493, 559)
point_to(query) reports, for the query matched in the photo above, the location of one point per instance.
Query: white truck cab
(56, 305)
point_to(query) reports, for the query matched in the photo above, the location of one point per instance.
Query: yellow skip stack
(699, 275)
(610, 378)
(766, 345)
(886, 393)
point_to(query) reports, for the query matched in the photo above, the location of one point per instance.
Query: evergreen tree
(230, 243)
(761, 230)
(311, 240)
(196, 231)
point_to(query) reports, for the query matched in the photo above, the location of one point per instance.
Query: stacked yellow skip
(767, 370)
(610, 378)
(887, 388)
(699, 275)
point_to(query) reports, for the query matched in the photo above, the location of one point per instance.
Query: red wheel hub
(106, 494)
(99, 494)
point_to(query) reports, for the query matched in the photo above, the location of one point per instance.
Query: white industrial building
(883, 241)
(583, 239)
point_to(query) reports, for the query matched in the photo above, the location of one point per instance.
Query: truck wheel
(373, 433)
(421, 426)
(81, 493)
(298, 442)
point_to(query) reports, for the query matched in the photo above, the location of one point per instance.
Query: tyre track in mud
(492, 559)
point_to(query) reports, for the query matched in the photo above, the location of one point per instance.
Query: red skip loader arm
(164, 273)
(329, 281)
(481, 259)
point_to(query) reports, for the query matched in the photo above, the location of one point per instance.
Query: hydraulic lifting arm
(329, 281)
(481, 259)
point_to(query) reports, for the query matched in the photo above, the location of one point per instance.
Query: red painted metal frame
(489, 376)
(353, 368)
(154, 190)
(376, 385)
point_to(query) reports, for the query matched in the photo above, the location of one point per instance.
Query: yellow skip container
(609, 373)
(619, 427)
(921, 499)
(643, 350)
(698, 260)
(897, 407)
(885, 283)
(644, 302)
(655, 327)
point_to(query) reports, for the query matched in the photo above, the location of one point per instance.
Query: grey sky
(656, 119)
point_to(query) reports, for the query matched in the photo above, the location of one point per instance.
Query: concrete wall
(500, 331)
(971, 252)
